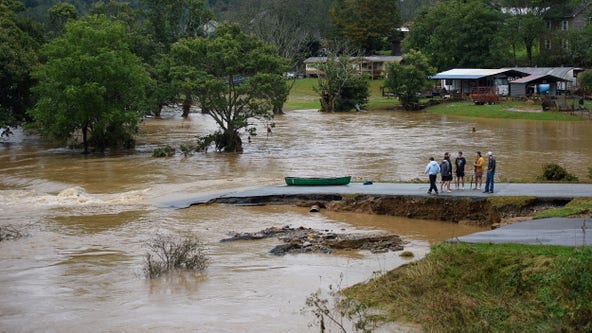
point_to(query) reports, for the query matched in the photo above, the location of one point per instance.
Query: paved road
(553, 231)
(411, 189)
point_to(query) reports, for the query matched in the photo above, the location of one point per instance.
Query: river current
(87, 218)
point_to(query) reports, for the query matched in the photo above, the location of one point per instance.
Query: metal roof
(316, 60)
(536, 77)
(471, 73)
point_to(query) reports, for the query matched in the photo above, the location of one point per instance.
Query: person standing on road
(446, 171)
(460, 163)
(490, 173)
(479, 162)
(432, 170)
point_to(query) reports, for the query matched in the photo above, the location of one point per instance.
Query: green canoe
(317, 181)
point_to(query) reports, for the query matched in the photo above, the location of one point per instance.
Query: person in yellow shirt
(479, 163)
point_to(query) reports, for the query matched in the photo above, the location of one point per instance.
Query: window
(564, 44)
(547, 44)
(548, 23)
(564, 25)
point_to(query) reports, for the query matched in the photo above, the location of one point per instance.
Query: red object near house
(482, 95)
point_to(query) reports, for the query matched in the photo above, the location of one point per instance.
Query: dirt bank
(480, 211)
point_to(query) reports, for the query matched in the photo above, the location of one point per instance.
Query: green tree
(91, 85)
(229, 75)
(585, 82)
(581, 47)
(460, 34)
(18, 56)
(59, 14)
(408, 79)
(171, 20)
(367, 23)
(341, 88)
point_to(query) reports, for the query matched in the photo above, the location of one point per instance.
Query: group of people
(445, 169)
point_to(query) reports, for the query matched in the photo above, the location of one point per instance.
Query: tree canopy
(368, 23)
(341, 88)
(91, 85)
(407, 80)
(230, 76)
(460, 34)
(18, 56)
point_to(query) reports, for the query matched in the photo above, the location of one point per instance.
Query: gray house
(560, 21)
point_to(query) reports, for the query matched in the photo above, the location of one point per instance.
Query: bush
(9, 232)
(554, 172)
(166, 151)
(168, 253)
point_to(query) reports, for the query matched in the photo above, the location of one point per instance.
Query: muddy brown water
(87, 218)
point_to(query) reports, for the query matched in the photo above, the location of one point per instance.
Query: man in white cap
(490, 173)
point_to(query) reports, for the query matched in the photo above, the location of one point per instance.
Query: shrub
(168, 253)
(9, 232)
(555, 172)
(166, 151)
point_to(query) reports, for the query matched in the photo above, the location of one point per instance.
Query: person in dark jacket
(446, 172)
(460, 163)
(490, 173)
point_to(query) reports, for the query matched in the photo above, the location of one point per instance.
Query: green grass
(502, 110)
(303, 96)
(575, 207)
(487, 288)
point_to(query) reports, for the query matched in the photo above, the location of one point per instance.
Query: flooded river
(87, 218)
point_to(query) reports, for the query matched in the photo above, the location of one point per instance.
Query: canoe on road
(303, 181)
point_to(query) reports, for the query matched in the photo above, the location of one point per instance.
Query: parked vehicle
(482, 95)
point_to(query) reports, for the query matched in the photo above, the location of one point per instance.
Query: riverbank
(486, 288)
(468, 283)
(510, 203)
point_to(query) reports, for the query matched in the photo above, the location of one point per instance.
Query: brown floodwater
(88, 218)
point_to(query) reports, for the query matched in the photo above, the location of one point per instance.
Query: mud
(307, 240)
(478, 211)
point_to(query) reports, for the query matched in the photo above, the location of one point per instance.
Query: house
(560, 20)
(558, 80)
(463, 80)
(372, 66)
(516, 81)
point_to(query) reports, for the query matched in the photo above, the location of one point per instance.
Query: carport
(531, 84)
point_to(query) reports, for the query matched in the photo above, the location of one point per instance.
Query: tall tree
(175, 19)
(367, 23)
(289, 25)
(229, 75)
(59, 14)
(18, 56)
(460, 33)
(91, 85)
(340, 87)
(408, 79)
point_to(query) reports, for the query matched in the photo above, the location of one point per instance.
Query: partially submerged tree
(407, 80)
(91, 85)
(230, 76)
(340, 87)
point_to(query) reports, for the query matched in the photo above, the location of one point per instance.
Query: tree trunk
(85, 139)
(230, 142)
(187, 105)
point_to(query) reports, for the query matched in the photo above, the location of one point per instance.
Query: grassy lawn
(487, 288)
(504, 109)
(303, 96)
